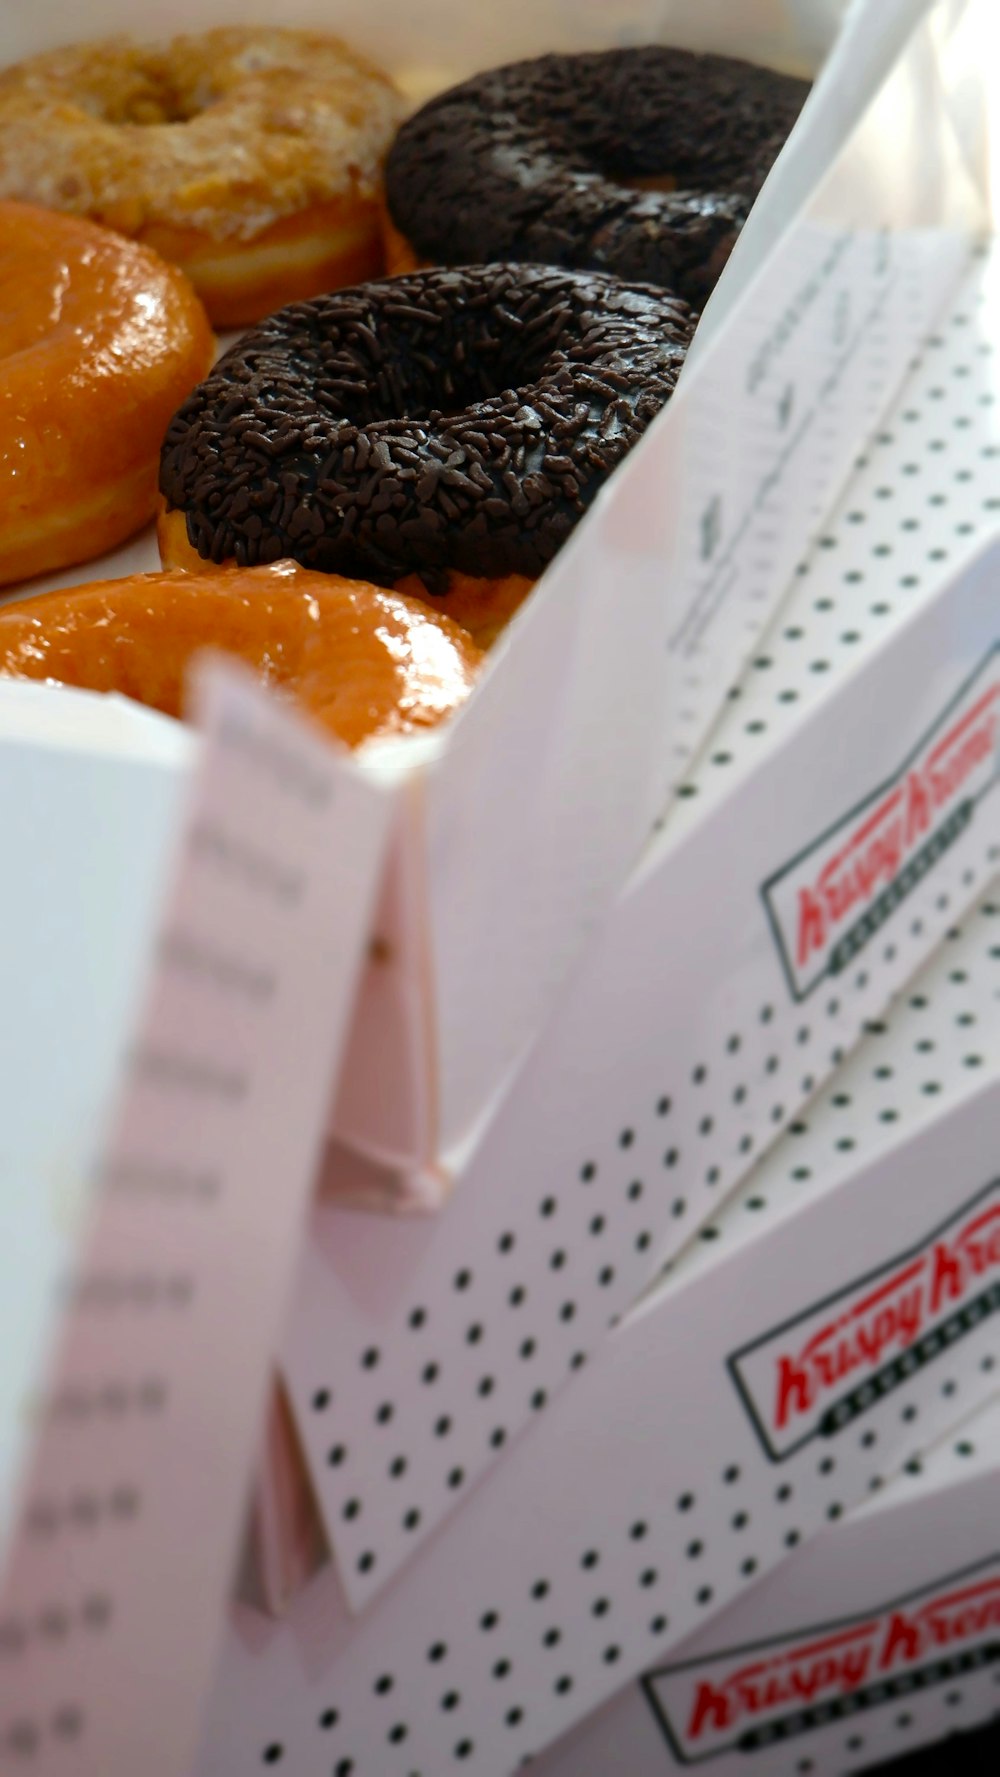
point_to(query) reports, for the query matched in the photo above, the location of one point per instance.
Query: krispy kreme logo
(815, 1374)
(752, 1698)
(832, 898)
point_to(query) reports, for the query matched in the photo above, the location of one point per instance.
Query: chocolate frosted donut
(445, 420)
(533, 161)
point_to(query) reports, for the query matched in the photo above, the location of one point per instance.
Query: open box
(518, 826)
(522, 1560)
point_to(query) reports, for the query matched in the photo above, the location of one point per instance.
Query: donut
(365, 663)
(250, 157)
(99, 340)
(454, 420)
(564, 159)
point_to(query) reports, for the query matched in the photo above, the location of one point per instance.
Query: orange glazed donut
(364, 662)
(99, 340)
(250, 157)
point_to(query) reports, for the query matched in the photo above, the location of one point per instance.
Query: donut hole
(157, 109)
(420, 365)
(666, 183)
(650, 123)
(478, 368)
(144, 95)
(150, 89)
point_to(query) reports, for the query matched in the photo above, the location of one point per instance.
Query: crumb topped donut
(452, 420)
(547, 160)
(99, 340)
(365, 663)
(250, 157)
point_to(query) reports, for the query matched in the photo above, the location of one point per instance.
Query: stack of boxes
(644, 1416)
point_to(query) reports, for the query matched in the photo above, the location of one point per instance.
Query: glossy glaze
(99, 341)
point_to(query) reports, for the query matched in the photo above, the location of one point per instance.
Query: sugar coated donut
(451, 420)
(364, 662)
(250, 157)
(540, 160)
(99, 340)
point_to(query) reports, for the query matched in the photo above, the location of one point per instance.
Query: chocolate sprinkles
(449, 419)
(534, 161)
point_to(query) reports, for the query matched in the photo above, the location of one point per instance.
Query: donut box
(877, 1638)
(131, 1519)
(839, 1321)
(516, 830)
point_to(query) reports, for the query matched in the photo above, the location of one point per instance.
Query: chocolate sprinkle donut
(445, 420)
(533, 161)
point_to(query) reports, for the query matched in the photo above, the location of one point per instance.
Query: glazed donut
(540, 161)
(452, 420)
(365, 663)
(251, 158)
(99, 340)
